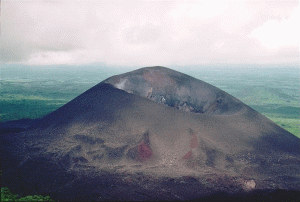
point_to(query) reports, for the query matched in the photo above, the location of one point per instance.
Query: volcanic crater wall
(176, 90)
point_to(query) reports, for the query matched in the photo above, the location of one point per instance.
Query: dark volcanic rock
(151, 134)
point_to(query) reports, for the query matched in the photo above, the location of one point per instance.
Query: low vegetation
(291, 125)
(7, 195)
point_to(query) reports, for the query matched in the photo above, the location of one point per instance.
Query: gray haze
(145, 33)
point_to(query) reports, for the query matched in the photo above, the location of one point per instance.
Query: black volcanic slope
(151, 134)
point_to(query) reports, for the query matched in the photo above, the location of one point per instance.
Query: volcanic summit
(151, 134)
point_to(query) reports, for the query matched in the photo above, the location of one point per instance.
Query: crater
(177, 90)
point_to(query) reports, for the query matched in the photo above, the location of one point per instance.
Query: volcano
(151, 134)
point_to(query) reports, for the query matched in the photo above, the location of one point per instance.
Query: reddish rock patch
(145, 152)
(158, 79)
(194, 141)
(188, 155)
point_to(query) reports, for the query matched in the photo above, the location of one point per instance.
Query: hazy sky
(146, 33)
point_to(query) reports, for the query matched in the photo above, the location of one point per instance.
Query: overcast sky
(146, 33)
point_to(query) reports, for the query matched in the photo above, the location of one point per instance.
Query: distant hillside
(276, 104)
(266, 96)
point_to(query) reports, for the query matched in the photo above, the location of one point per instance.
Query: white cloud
(274, 34)
(147, 33)
(198, 9)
